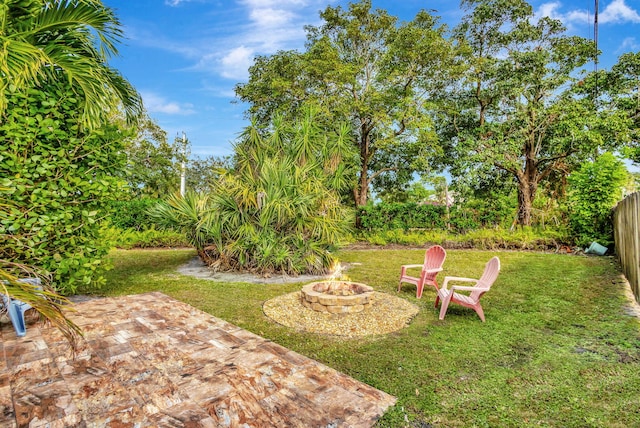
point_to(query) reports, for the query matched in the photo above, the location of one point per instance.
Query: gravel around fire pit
(386, 314)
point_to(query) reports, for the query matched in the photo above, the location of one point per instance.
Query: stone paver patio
(151, 361)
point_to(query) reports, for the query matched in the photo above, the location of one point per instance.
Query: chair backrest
(434, 258)
(489, 276)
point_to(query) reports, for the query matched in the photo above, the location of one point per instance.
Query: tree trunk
(524, 206)
(361, 191)
(527, 187)
(360, 198)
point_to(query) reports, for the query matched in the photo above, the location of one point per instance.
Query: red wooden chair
(481, 286)
(433, 261)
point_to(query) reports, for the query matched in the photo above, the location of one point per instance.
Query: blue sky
(186, 56)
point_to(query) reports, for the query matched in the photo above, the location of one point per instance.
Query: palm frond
(66, 40)
(49, 304)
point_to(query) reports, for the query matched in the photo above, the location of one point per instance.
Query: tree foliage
(58, 176)
(519, 107)
(46, 41)
(364, 67)
(278, 209)
(154, 165)
(595, 189)
(203, 173)
(620, 88)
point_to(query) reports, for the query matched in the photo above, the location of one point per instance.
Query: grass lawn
(557, 349)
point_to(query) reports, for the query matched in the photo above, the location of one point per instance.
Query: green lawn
(556, 350)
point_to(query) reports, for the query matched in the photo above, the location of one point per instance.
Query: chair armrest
(465, 288)
(411, 266)
(456, 278)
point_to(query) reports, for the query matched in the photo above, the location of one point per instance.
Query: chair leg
(437, 301)
(479, 311)
(16, 315)
(420, 287)
(445, 305)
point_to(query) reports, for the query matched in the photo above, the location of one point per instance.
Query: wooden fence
(626, 226)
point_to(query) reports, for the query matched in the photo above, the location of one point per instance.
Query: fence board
(626, 226)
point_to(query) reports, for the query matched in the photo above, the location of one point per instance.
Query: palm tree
(71, 40)
(278, 210)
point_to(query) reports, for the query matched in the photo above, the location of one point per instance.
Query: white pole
(183, 178)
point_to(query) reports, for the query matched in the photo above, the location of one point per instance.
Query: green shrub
(132, 214)
(476, 213)
(463, 219)
(396, 215)
(148, 238)
(58, 177)
(494, 209)
(278, 210)
(594, 190)
(485, 239)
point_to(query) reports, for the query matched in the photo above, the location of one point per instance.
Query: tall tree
(621, 90)
(59, 177)
(50, 40)
(203, 173)
(517, 109)
(362, 66)
(153, 167)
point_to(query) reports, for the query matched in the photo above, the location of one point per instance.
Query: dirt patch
(632, 308)
(197, 268)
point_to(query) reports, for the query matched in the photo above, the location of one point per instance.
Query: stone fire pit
(337, 297)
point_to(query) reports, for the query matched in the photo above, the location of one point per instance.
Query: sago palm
(60, 39)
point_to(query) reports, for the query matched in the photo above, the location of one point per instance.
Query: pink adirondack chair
(433, 261)
(481, 286)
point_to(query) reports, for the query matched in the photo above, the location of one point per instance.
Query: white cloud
(616, 12)
(550, 10)
(256, 27)
(261, 4)
(175, 3)
(273, 25)
(270, 18)
(629, 44)
(155, 103)
(236, 63)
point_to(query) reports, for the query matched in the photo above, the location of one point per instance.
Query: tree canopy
(519, 107)
(362, 66)
(58, 177)
(59, 156)
(620, 88)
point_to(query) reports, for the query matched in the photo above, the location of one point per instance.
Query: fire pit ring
(337, 297)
